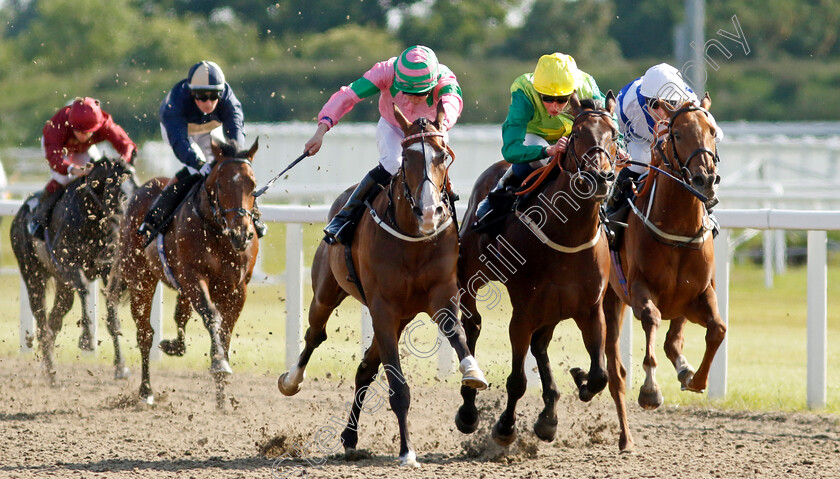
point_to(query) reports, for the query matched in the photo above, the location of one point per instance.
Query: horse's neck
(564, 207)
(404, 218)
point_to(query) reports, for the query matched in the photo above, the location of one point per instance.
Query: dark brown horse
(79, 247)
(667, 258)
(552, 257)
(209, 253)
(405, 259)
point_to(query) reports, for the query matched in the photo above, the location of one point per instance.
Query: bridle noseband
(218, 214)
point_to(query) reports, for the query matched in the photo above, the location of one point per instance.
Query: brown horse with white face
(667, 259)
(552, 256)
(405, 255)
(206, 253)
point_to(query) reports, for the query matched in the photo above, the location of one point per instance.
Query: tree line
(284, 58)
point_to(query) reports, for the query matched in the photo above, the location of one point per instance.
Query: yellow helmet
(555, 75)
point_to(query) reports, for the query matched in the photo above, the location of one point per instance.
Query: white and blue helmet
(206, 75)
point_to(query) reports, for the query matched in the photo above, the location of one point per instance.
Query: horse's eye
(677, 135)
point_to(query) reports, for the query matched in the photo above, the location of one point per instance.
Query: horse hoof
(651, 400)
(173, 348)
(579, 376)
(501, 438)
(148, 400)
(220, 366)
(465, 426)
(121, 372)
(285, 388)
(409, 459)
(686, 376)
(545, 429)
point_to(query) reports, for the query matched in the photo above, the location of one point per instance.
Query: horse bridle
(572, 151)
(406, 190)
(218, 214)
(92, 194)
(681, 167)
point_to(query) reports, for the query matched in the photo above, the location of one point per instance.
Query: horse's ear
(441, 114)
(401, 119)
(665, 106)
(609, 102)
(706, 101)
(216, 148)
(575, 104)
(253, 150)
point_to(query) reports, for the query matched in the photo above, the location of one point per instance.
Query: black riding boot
(618, 207)
(500, 198)
(38, 221)
(165, 205)
(342, 225)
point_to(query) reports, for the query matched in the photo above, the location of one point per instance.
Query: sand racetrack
(91, 426)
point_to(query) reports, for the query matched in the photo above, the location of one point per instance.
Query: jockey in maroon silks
(69, 140)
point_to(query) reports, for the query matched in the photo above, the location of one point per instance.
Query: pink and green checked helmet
(416, 70)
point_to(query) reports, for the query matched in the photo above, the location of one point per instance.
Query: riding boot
(618, 207)
(165, 205)
(500, 198)
(342, 225)
(39, 220)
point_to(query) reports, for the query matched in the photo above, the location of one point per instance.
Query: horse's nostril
(439, 210)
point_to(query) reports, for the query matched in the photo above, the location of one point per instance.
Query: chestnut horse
(552, 257)
(206, 253)
(667, 259)
(405, 254)
(79, 247)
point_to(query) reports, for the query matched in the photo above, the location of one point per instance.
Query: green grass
(767, 337)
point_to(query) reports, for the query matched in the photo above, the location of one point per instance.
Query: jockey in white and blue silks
(640, 117)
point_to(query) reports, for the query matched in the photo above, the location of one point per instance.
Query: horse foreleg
(613, 314)
(466, 419)
(141, 308)
(230, 307)
(327, 296)
(546, 425)
(178, 346)
(365, 374)
(706, 313)
(504, 431)
(199, 296)
(120, 369)
(86, 339)
(36, 289)
(445, 314)
(386, 332)
(650, 396)
(593, 331)
(674, 340)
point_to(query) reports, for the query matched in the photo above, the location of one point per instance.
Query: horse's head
(691, 134)
(592, 147)
(424, 167)
(230, 187)
(104, 183)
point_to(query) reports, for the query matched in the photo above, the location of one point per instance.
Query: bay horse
(206, 254)
(552, 257)
(404, 254)
(667, 259)
(79, 248)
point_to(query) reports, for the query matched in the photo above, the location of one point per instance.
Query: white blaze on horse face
(429, 201)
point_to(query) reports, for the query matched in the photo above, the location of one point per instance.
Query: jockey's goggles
(205, 95)
(555, 99)
(425, 93)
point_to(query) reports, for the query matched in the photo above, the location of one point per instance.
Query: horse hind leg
(178, 346)
(327, 296)
(546, 425)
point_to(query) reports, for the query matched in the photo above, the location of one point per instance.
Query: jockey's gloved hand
(205, 169)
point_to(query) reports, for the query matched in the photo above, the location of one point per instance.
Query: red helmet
(85, 115)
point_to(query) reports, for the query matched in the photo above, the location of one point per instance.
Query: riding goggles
(554, 99)
(209, 95)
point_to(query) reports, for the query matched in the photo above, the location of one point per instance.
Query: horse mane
(590, 104)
